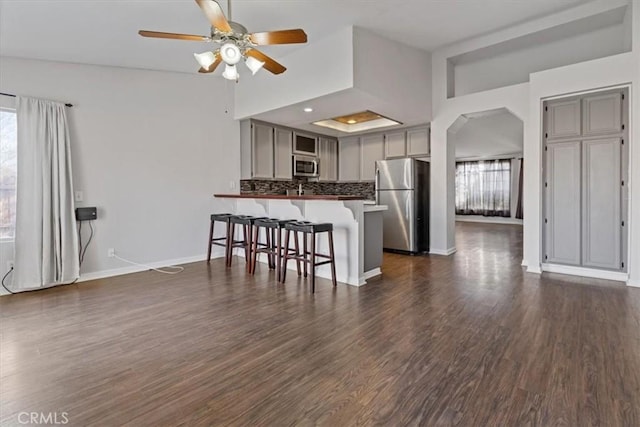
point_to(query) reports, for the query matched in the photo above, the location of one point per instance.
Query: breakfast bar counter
(356, 224)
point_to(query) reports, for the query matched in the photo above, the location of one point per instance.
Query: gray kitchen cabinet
(418, 142)
(349, 159)
(601, 203)
(282, 160)
(328, 149)
(395, 145)
(602, 114)
(563, 210)
(262, 151)
(563, 119)
(372, 150)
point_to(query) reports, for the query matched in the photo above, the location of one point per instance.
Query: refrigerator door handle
(407, 208)
(376, 184)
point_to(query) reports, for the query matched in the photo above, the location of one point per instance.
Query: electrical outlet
(9, 265)
(232, 185)
(111, 252)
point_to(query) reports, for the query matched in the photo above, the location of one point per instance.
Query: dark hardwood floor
(466, 340)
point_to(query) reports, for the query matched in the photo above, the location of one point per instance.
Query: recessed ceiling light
(308, 110)
(357, 122)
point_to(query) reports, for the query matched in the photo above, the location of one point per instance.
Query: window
(8, 173)
(483, 188)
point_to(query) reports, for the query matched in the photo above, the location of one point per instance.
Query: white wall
(515, 67)
(393, 72)
(323, 67)
(149, 149)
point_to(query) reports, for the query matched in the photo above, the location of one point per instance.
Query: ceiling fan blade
(160, 35)
(269, 64)
(212, 67)
(279, 37)
(214, 14)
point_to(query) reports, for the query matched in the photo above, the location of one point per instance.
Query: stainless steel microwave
(305, 145)
(305, 166)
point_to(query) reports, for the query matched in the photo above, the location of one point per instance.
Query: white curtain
(46, 243)
(483, 188)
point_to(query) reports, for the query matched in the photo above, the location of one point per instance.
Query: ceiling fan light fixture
(230, 72)
(205, 59)
(230, 53)
(253, 64)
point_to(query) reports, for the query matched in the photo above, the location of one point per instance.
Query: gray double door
(585, 174)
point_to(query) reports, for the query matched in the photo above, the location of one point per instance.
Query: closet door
(602, 114)
(601, 203)
(562, 220)
(563, 119)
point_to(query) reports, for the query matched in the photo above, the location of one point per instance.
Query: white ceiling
(488, 134)
(104, 32)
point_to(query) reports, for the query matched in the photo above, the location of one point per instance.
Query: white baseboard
(586, 272)
(633, 283)
(488, 219)
(136, 269)
(369, 274)
(534, 269)
(445, 252)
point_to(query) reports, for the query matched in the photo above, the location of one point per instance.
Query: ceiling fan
(236, 43)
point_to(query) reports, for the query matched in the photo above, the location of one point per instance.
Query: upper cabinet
(262, 151)
(563, 119)
(328, 151)
(349, 159)
(418, 141)
(395, 145)
(282, 162)
(602, 114)
(372, 150)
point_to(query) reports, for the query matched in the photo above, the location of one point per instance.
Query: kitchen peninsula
(357, 225)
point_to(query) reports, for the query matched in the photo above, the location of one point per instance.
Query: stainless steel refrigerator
(403, 185)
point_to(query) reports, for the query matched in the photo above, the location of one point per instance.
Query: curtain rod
(13, 96)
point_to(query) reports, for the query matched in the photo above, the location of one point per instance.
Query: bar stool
(219, 241)
(246, 221)
(309, 229)
(273, 248)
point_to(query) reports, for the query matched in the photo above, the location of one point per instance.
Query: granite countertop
(285, 197)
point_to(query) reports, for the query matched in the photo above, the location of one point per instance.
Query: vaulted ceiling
(105, 32)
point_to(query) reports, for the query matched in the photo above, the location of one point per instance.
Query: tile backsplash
(265, 186)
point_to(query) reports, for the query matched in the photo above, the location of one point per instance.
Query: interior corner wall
(319, 68)
(377, 72)
(586, 76)
(149, 149)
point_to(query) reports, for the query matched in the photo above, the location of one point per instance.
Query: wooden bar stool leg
(247, 247)
(296, 244)
(254, 250)
(312, 262)
(278, 248)
(333, 260)
(232, 237)
(268, 240)
(304, 251)
(210, 241)
(283, 274)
